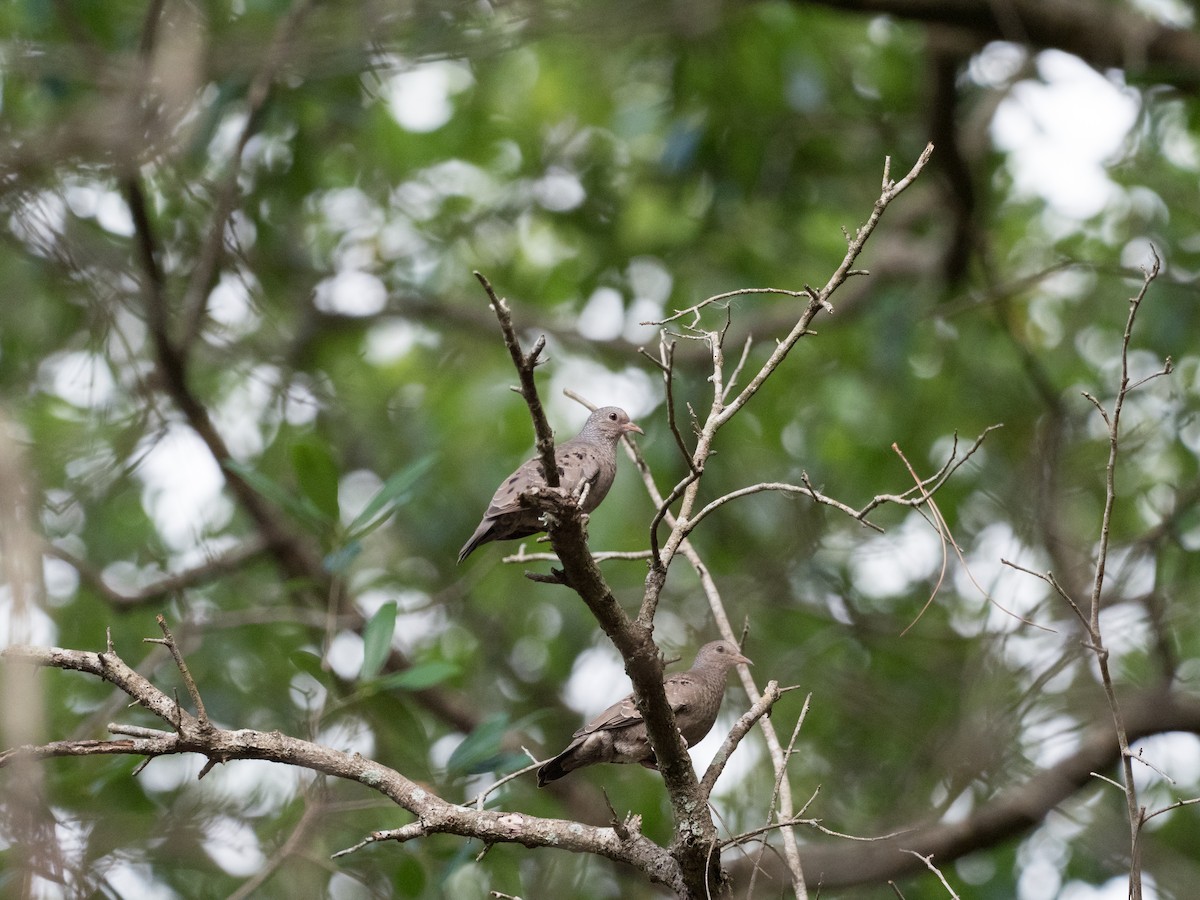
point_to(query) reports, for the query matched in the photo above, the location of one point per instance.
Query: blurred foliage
(602, 165)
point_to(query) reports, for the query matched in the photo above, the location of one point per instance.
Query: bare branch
(434, 815)
(525, 364)
(220, 564)
(189, 682)
(1049, 578)
(634, 641)
(195, 300)
(820, 300)
(771, 693)
(718, 298)
(928, 861)
(1135, 813)
(737, 370)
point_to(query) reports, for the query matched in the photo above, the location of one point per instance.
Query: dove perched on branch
(587, 465)
(618, 735)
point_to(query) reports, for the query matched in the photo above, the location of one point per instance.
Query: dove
(618, 735)
(587, 462)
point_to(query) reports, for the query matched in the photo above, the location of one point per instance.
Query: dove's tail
(482, 535)
(555, 769)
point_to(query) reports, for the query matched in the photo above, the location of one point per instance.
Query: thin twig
(928, 860)
(222, 563)
(771, 693)
(477, 801)
(208, 259)
(525, 364)
(717, 298)
(168, 639)
(1135, 813)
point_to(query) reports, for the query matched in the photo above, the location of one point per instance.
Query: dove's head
(724, 654)
(610, 422)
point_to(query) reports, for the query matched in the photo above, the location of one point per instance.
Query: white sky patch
(38, 222)
(345, 655)
(744, 760)
(256, 787)
(1169, 12)
(1049, 741)
(355, 490)
(1126, 630)
(888, 564)
(61, 579)
(420, 98)
(1011, 593)
(643, 310)
(651, 282)
(1114, 889)
(421, 197)
(300, 405)
(393, 339)
(249, 412)
(597, 681)
(182, 488)
(80, 378)
(306, 692)
(71, 836)
(347, 209)
(1060, 131)
(94, 200)
(559, 190)
(230, 306)
(33, 626)
(349, 735)
(631, 389)
(1178, 755)
(113, 215)
(170, 773)
(603, 316)
(132, 879)
(541, 243)
(233, 846)
(351, 293)
(997, 64)
(1041, 870)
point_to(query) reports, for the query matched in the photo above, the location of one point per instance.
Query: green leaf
(307, 661)
(339, 560)
(395, 492)
(480, 750)
(419, 677)
(377, 640)
(298, 507)
(318, 476)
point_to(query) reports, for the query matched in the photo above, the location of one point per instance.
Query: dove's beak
(632, 426)
(742, 659)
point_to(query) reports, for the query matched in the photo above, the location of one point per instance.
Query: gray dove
(588, 460)
(618, 735)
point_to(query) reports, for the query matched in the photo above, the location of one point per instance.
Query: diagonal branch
(771, 694)
(721, 410)
(221, 564)
(195, 298)
(525, 365)
(1105, 35)
(695, 833)
(434, 815)
(1010, 813)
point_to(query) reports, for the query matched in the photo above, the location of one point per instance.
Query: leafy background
(602, 165)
